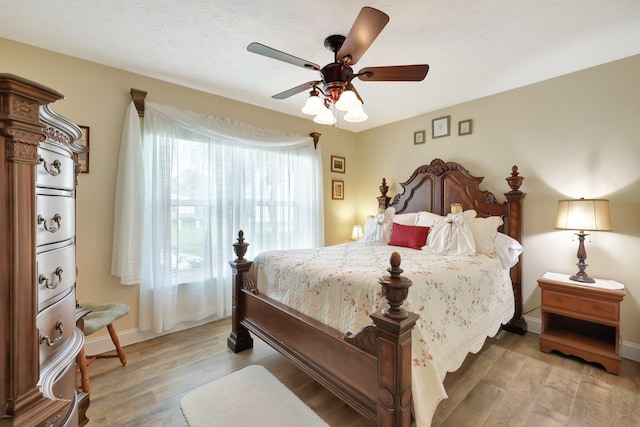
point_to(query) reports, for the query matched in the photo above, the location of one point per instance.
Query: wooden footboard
(370, 371)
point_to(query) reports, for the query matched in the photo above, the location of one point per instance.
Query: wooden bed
(371, 370)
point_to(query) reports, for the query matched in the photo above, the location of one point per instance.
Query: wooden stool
(101, 315)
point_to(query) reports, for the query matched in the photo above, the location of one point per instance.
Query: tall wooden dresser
(39, 340)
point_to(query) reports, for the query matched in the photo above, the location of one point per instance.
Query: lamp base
(582, 277)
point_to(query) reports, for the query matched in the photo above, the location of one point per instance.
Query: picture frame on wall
(83, 158)
(337, 189)
(419, 137)
(338, 164)
(440, 127)
(465, 127)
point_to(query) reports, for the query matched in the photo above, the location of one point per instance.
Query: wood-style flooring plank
(509, 382)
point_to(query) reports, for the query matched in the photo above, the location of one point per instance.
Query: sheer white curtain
(205, 179)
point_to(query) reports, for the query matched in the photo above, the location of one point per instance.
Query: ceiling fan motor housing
(335, 77)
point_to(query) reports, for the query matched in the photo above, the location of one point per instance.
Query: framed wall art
(419, 137)
(338, 164)
(465, 127)
(440, 127)
(337, 189)
(83, 158)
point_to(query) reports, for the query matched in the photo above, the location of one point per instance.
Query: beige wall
(573, 136)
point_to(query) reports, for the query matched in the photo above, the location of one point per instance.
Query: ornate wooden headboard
(434, 187)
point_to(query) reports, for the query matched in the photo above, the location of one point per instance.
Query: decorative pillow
(408, 236)
(484, 233)
(427, 219)
(370, 230)
(405, 219)
(377, 228)
(508, 249)
(452, 235)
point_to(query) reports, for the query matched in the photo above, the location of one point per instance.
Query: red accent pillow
(409, 236)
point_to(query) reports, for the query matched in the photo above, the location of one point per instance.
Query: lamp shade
(356, 115)
(356, 233)
(313, 106)
(583, 214)
(348, 101)
(325, 117)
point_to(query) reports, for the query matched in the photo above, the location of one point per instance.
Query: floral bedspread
(460, 299)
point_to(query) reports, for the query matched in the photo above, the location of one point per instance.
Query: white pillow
(427, 219)
(484, 233)
(508, 249)
(377, 228)
(405, 219)
(452, 235)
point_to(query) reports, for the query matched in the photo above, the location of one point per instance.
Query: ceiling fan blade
(296, 90)
(364, 31)
(394, 73)
(269, 52)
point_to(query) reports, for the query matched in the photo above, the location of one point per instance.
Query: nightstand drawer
(559, 300)
(602, 309)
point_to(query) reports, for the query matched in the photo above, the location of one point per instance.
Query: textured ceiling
(475, 48)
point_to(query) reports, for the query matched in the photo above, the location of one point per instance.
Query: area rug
(248, 397)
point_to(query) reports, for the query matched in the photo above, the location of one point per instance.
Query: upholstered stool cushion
(102, 315)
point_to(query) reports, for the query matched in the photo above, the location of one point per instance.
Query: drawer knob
(43, 279)
(597, 308)
(56, 340)
(51, 228)
(52, 170)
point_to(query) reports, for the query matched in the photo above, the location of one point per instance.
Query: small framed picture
(419, 137)
(440, 127)
(465, 127)
(83, 158)
(338, 164)
(337, 192)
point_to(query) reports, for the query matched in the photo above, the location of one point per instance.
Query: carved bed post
(383, 199)
(239, 339)
(514, 199)
(394, 326)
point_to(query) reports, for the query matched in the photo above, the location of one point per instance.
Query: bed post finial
(240, 247)
(383, 199)
(395, 289)
(515, 180)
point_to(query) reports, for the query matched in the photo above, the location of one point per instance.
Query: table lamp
(356, 233)
(583, 214)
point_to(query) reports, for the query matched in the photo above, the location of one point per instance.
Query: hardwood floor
(510, 382)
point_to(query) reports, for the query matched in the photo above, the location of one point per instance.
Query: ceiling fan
(335, 78)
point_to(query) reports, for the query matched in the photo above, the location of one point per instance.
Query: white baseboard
(628, 350)
(103, 344)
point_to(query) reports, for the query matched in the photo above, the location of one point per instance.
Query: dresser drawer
(56, 273)
(599, 308)
(55, 170)
(56, 324)
(55, 219)
(559, 300)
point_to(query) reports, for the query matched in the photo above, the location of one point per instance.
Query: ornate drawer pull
(56, 340)
(50, 228)
(43, 279)
(55, 170)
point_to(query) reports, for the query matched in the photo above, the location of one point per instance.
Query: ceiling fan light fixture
(356, 115)
(348, 101)
(314, 105)
(326, 117)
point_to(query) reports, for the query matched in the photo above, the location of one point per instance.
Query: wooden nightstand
(582, 319)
